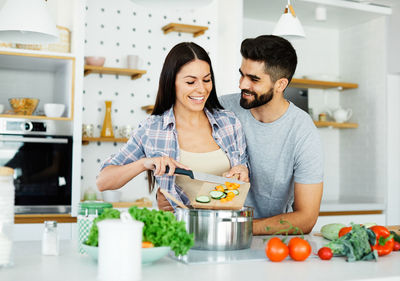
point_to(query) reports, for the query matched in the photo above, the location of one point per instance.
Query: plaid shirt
(156, 136)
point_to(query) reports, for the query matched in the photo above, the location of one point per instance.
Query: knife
(203, 176)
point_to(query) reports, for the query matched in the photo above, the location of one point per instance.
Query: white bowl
(111, 195)
(1, 108)
(54, 109)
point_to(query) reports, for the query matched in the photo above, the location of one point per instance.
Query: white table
(29, 264)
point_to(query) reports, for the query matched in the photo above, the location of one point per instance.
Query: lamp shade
(289, 25)
(27, 22)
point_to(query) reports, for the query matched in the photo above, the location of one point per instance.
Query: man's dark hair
(180, 55)
(277, 53)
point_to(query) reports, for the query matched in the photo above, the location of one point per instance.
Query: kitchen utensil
(107, 129)
(1, 108)
(218, 229)
(134, 61)
(111, 195)
(54, 109)
(179, 203)
(23, 106)
(341, 115)
(204, 177)
(95, 61)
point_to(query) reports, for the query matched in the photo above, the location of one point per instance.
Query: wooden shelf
(306, 83)
(34, 117)
(322, 124)
(133, 73)
(86, 140)
(40, 218)
(197, 30)
(148, 108)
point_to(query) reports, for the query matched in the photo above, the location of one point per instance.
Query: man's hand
(163, 203)
(240, 172)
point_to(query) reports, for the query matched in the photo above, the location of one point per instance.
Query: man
(284, 148)
(285, 153)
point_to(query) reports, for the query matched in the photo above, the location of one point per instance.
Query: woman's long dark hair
(179, 55)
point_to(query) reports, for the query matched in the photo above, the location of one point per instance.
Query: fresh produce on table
(344, 230)
(160, 229)
(276, 250)
(299, 249)
(331, 231)
(325, 253)
(356, 244)
(384, 240)
(396, 246)
(223, 193)
(396, 237)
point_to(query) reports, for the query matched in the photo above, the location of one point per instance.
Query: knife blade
(203, 176)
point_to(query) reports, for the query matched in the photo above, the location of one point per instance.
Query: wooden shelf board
(40, 218)
(34, 117)
(86, 140)
(322, 124)
(148, 108)
(197, 30)
(134, 73)
(348, 213)
(306, 83)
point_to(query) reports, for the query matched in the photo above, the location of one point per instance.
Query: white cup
(1, 108)
(134, 62)
(120, 249)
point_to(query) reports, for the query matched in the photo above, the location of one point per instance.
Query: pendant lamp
(27, 22)
(289, 24)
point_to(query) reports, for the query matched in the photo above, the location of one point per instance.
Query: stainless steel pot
(218, 229)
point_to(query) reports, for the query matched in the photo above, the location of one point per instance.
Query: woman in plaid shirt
(188, 128)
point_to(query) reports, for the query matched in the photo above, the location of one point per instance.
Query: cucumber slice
(215, 194)
(235, 191)
(223, 196)
(203, 199)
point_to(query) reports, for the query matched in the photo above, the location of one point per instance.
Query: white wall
(318, 54)
(363, 150)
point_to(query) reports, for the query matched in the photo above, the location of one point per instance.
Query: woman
(188, 128)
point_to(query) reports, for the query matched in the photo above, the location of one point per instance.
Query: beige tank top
(214, 162)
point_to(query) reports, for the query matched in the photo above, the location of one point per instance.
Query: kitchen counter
(29, 264)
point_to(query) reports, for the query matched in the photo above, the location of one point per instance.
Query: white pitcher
(341, 115)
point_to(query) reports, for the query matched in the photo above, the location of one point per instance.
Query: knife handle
(179, 171)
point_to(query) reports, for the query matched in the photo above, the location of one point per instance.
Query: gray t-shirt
(280, 153)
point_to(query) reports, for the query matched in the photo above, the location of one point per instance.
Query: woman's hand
(158, 165)
(163, 203)
(240, 172)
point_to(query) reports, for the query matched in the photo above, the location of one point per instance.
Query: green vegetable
(162, 229)
(331, 231)
(396, 237)
(369, 224)
(93, 238)
(355, 245)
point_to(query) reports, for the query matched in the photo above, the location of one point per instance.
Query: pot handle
(241, 219)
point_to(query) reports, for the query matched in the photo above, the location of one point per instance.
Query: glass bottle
(50, 241)
(107, 130)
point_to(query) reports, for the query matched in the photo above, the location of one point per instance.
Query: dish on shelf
(95, 61)
(54, 109)
(23, 106)
(149, 255)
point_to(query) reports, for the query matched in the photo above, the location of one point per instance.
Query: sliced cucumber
(223, 196)
(203, 199)
(235, 191)
(215, 194)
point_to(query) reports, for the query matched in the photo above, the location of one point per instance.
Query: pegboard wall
(115, 29)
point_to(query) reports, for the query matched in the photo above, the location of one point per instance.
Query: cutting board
(204, 189)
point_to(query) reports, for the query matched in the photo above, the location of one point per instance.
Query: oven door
(43, 169)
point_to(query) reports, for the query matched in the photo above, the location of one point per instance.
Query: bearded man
(284, 148)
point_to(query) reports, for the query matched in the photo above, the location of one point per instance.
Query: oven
(40, 152)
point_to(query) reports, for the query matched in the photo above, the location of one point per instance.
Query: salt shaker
(50, 241)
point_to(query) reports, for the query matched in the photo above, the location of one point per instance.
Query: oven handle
(34, 140)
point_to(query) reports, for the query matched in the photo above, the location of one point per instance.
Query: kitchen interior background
(361, 165)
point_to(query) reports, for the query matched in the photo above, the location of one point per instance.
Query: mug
(134, 62)
(88, 130)
(1, 108)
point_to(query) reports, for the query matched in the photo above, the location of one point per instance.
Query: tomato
(299, 249)
(396, 246)
(325, 253)
(276, 250)
(344, 230)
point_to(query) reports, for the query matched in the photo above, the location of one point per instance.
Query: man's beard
(258, 100)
